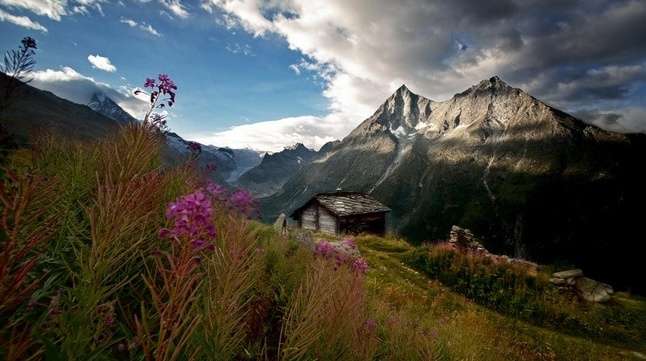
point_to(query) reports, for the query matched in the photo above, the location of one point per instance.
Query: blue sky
(225, 77)
(267, 74)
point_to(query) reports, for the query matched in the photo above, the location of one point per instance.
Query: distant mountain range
(534, 181)
(32, 110)
(275, 169)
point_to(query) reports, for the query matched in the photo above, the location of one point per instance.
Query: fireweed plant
(161, 92)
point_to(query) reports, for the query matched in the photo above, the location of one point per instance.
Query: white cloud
(101, 63)
(53, 9)
(149, 29)
(69, 84)
(23, 21)
(623, 120)
(141, 26)
(363, 50)
(176, 7)
(274, 135)
(246, 12)
(239, 49)
(129, 22)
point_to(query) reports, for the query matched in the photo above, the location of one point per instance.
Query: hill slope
(31, 110)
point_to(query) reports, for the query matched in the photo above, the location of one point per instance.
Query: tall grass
(231, 273)
(164, 332)
(26, 225)
(108, 254)
(327, 316)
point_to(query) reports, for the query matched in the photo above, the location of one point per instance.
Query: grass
(90, 271)
(468, 330)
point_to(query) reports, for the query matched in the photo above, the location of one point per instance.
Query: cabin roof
(346, 203)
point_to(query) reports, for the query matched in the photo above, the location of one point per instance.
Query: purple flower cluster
(162, 94)
(243, 201)
(192, 219)
(343, 254)
(216, 191)
(164, 85)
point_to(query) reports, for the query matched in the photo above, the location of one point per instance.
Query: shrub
(509, 289)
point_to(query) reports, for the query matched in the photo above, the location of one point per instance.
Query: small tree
(17, 65)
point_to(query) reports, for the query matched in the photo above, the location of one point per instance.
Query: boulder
(280, 222)
(558, 281)
(465, 239)
(280, 225)
(573, 273)
(593, 291)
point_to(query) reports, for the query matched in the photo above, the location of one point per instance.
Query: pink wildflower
(360, 265)
(327, 250)
(192, 219)
(243, 201)
(349, 242)
(215, 190)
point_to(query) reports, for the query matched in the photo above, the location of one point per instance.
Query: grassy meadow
(108, 254)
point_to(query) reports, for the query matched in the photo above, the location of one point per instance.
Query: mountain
(275, 169)
(31, 110)
(245, 159)
(100, 103)
(535, 181)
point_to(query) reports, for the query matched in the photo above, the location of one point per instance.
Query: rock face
(275, 169)
(245, 160)
(280, 225)
(222, 158)
(464, 238)
(534, 181)
(587, 288)
(102, 104)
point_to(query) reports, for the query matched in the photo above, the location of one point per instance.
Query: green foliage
(511, 290)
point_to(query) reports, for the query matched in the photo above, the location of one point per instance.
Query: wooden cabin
(342, 213)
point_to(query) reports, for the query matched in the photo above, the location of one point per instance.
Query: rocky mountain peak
(403, 110)
(102, 104)
(402, 90)
(493, 85)
(297, 148)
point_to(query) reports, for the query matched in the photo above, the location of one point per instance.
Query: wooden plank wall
(327, 221)
(309, 217)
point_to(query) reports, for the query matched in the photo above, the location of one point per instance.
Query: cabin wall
(374, 223)
(327, 221)
(309, 217)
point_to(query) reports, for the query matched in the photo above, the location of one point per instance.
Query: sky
(268, 74)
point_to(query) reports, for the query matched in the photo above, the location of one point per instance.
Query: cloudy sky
(267, 74)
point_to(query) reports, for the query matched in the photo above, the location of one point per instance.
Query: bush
(509, 289)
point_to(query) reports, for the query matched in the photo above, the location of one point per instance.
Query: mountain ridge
(493, 159)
